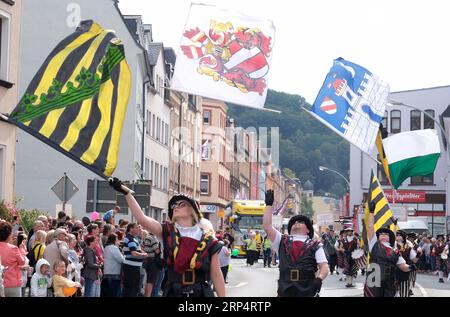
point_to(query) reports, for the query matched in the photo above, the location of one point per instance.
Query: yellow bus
(246, 216)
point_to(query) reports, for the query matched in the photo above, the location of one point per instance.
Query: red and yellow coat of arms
(236, 56)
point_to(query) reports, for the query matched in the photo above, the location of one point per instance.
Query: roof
(170, 55)
(132, 25)
(446, 113)
(153, 52)
(308, 185)
(429, 88)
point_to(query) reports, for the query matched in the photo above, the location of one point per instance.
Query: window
(153, 126)
(165, 178)
(148, 122)
(162, 132)
(384, 121)
(416, 117)
(156, 175)
(428, 123)
(157, 82)
(151, 172)
(4, 46)
(147, 168)
(161, 86)
(395, 121)
(422, 180)
(167, 135)
(158, 128)
(206, 150)
(192, 100)
(204, 184)
(161, 171)
(207, 117)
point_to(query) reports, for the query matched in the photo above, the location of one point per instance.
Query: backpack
(31, 255)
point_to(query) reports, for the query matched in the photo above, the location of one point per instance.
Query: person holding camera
(303, 264)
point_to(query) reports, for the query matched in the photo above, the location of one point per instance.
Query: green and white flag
(412, 153)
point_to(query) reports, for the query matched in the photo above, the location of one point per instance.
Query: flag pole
(4, 117)
(263, 109)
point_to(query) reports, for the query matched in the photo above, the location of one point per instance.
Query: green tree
(305, 143)
(290, 173)
(307, 207)
(27, 217)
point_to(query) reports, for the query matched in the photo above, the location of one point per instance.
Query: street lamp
(323, 168)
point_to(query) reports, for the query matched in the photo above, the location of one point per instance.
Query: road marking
(269, 270)
(424, 292)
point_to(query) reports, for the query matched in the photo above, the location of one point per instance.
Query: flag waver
(411, 153)
(77, 100)
(351, 102)
(383, 216)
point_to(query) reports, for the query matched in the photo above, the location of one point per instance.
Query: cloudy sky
(405, 42)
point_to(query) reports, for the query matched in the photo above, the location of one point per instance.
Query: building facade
(38, 166)
(215, 192)
(423, 196)
(10, 22)
(157, 136)
(326, 212)
(185, 137)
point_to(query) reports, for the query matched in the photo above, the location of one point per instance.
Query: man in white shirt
(384, 259)
(300, 256)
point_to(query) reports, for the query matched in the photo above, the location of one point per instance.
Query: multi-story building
(215, 176)
(10, 22)
(39, 167)
(423, 196)
(233, 164)
(293, 191)
(185, 138)
(326, 212)
(254, 167)
(244, 164)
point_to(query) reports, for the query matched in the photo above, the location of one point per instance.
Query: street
(258, 281)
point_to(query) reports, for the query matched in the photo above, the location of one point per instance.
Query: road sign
(65, 189)
(399, 211)
(324, 219)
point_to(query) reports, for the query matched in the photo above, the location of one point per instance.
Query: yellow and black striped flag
(381, 154)
(77, 101)
(383, 214)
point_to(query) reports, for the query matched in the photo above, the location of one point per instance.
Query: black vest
(298, 274)
(350, 246)
(195, 281)
(387, 263)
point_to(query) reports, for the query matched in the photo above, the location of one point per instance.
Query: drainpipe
(143, 126)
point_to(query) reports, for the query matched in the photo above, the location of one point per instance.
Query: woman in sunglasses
(191, 253)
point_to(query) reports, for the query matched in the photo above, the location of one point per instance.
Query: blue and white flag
(351, 102)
